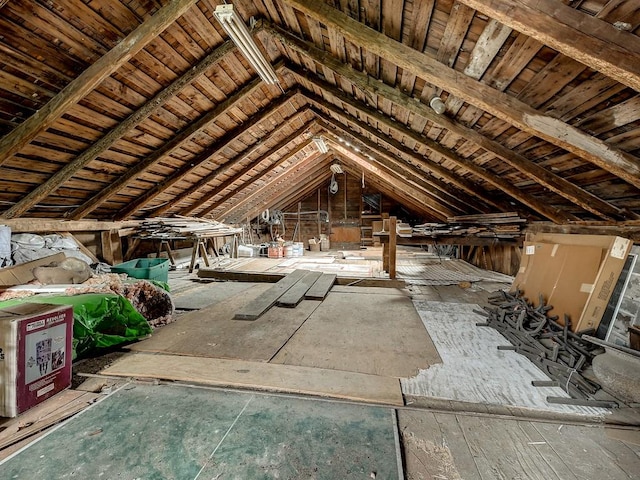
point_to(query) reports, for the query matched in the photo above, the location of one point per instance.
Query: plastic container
(298, 248)
(145, 268)
(289, 250)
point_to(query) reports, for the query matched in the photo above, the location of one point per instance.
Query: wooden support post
(392, 248)
(111, 247)
(132, 248)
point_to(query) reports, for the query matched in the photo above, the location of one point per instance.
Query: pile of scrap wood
(493, 225)
(289, 292)
(562, 354)
(184, 227)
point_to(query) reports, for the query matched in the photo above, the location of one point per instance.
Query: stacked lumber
(184, 227)
(493, 225)
(289, 292)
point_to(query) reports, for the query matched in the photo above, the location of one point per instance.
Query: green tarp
(99, 320)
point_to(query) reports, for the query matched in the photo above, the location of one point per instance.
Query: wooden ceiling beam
(465, 186)
(385, 175)
(499, 104)
(248, 168)
(92, 77)
(316, 177)
(203, 158)
(204, 181)
(412, 177)
(542, 208)
(256, 200)
(400, 195)
(68, 171)
(539, 174)
(170, 146)
(591, 41)
(283, 158)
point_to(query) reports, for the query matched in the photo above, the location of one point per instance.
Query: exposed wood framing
(591, 41)
(202, 158)
(557, 184)
(142, 113)
(91, 77)
(499, 104)
(166, 149)
(238, 175)
(42, 225)
(258, 200)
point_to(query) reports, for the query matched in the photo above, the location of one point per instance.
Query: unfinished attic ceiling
(139, 108)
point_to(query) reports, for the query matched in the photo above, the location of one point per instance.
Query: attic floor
(449, 426)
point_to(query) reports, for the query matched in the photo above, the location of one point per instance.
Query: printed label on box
(531, 249)
(619, 249)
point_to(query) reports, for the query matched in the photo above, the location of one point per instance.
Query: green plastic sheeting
(99, 320)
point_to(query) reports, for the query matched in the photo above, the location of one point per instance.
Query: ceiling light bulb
(438, 105)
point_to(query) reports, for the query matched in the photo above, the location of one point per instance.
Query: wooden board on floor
(213, 332)
(292, 297)
(17, 432)
(358, 332)
(321, 287)
(261, 376)
(202, 295)
(268, 299)
(441, 445)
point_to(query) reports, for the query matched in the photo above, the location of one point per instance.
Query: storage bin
(145, 268)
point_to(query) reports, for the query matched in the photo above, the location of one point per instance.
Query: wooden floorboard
(292, 297)
(456, 447)
(321, 287)
(264, 302)
(260, 376)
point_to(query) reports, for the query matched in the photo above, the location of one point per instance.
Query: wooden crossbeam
(590, 41)
(266, 171)
(91, 77)
(265, 196)
(501, 105)
(557, 184)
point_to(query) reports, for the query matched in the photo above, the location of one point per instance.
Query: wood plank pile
(289, 292)
(492, 225)
(560, 353)
(184, 227)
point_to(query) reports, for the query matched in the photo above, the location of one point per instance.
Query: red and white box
(35, 354)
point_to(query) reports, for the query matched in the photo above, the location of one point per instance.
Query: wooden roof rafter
(258, 200)
(496, 103)
(268, 172)
(252, 167)
(212, 151)
(92, 76)
(166, 149)
(557, 184)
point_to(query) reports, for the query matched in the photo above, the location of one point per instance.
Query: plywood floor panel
(374, 334)
(261, 376)
(212, 331)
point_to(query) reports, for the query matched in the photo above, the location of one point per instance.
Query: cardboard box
(575, 274)
(35, 354)
(21, 274)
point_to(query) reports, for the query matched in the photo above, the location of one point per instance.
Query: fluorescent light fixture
(240, 35)
(320, 143)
